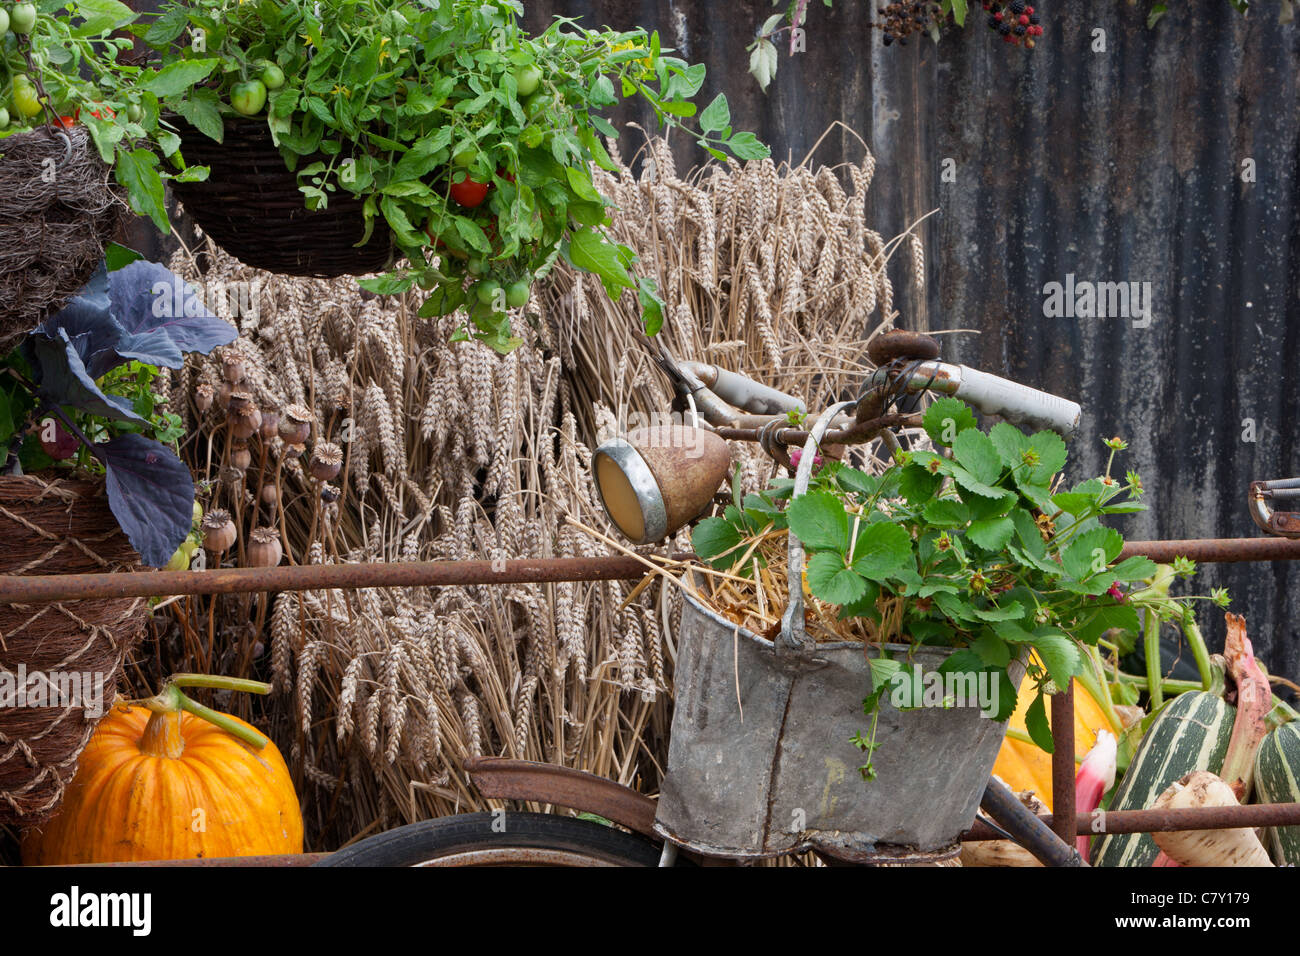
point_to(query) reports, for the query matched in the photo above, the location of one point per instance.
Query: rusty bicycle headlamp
(652, 481)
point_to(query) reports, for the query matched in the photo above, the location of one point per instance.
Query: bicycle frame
(500, 778)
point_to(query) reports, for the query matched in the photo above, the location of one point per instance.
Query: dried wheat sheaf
(451, 451)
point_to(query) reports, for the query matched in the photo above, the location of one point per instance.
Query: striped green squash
(1190, 733)
(1277, 780)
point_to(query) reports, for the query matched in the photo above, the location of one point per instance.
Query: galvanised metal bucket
(760, 761)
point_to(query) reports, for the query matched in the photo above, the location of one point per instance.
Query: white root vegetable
(1003, 852)
(1237, 847)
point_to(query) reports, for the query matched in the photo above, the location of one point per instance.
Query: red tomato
(67, 122)
(104, 113)
(468, 192)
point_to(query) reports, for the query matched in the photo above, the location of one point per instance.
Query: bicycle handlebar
(993, 395)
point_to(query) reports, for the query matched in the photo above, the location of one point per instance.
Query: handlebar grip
(1017, 403)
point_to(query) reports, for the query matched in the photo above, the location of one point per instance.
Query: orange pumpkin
(1023, 766)
(158, 784)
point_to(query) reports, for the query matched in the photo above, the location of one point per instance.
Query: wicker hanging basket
(57, 526)
(58, 207)
(251, 206)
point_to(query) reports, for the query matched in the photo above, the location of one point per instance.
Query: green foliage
(22, 415)
(402, 104)
(971, 551)
(73, 64)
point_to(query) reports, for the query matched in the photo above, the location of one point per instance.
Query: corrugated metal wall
(1123, 164)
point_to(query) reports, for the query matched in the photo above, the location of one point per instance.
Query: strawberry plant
(980, 548)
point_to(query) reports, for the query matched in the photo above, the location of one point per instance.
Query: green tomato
(517, 294)
(272, 76)
(486, 291)
(527, 79)
(22, 18)
(248, 97)
(4, 22)
(536, 103)
(4, 117)
(465, 158)
(26, 101)
(476, 265)
(135, 113)
(197, 512)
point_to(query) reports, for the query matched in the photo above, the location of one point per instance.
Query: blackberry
(888, 39)
(1017, 7)
(1020, 31)
(993, 23)
(1034, 18)
(1004, 28)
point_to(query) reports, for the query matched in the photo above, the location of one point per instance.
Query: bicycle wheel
(486, 839)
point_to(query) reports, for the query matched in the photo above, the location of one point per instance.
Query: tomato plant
(468, 192)
(62, 65)
(24, 97)
(517, 295)
(272, 76)
(22, 18)
(248, 97)
(527, 79)
(470, 141)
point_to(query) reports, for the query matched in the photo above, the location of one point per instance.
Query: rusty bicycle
(621, 827)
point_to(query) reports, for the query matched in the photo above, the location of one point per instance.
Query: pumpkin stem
(162, 735)
(171, 700)
(219, 682)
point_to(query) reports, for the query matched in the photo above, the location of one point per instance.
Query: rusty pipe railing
(46, 589)
(1250, 815)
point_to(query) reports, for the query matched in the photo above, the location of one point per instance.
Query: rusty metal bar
(1216, 550)
(1030, 831)
(1063, 760)
(1251, 815)
(47, 588)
